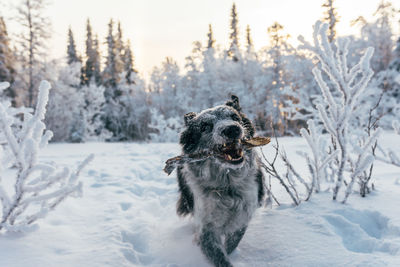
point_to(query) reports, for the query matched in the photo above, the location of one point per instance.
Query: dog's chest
(226, 199)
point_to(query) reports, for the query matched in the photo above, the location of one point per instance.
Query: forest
(100, 95)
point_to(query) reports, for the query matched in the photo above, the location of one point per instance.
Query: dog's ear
(188, 117)
(234, 102)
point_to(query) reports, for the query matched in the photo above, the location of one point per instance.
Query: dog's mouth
(232, 152)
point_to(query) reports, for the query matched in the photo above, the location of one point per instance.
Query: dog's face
(220, 130)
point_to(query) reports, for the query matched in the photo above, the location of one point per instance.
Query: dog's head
(220, 130)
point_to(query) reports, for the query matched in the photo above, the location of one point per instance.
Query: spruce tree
(128, 60)
(119, 51)
(210, 35)
(91, 69)
(249, 40)
(7, 70)
(330, 17)
(96, 57)
(72, 55)
(87, 73)
(233, 51)
(110, 79)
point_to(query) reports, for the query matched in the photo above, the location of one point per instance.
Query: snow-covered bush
(128, 114)
(318, 163)
(164, 130)
(92, 114)
(342, 88)
(30, 189)
(65, 104)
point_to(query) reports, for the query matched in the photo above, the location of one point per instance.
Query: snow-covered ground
(127, 217)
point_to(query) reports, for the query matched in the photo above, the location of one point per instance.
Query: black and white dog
(221, 192)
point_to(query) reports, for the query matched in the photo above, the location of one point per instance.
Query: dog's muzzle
(232, 152)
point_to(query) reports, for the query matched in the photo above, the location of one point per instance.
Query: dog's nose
(232, 132)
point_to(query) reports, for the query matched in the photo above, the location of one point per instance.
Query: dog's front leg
(211, 245)
(232, 240)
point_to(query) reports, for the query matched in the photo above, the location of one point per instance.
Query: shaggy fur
(221, 192)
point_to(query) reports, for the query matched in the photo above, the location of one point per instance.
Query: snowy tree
(378, 34)
(92, 114)
(249, 44)
(330, 17)
(167, 90)
(166, 130)
(35, 30)
(38, 187)
(120, 52)
(273, 92)
(113, 66)
(7, 64)
(91, 69)
(72, 54)
(128, 60)
(210, 37)
(129, 113)
(233, 51)
(65, 106)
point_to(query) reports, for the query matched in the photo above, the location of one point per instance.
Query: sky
(161, 28)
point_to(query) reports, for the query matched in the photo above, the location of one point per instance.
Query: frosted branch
(39, 186)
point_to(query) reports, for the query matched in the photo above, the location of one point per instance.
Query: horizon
(171, 29)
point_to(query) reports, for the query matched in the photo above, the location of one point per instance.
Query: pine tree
(110, 75)
(128, 60)
(72, 55)
(119, 50)
(32, 40)
(96, 60)
(330, 17)
(233, 51)
(91, 70)
(210, 35)
(7, 71)
(249, 41)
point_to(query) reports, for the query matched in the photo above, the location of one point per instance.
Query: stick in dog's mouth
(230, 152)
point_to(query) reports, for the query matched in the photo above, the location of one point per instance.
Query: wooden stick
(172, 163)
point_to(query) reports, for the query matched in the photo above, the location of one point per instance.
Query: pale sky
(161, 28)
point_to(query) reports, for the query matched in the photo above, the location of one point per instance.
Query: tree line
(100, 95)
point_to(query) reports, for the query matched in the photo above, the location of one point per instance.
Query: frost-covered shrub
(165, 130)
(342, 89)
(128, 114)
(36, 188)
(92, 114)
(65, 104)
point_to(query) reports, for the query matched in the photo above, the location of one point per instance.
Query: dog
(223, 191)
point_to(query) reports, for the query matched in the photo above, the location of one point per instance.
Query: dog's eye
(235, 117)
(206, 127)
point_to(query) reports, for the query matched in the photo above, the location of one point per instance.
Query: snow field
(127, 217)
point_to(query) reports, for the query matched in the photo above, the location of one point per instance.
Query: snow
(127, 217)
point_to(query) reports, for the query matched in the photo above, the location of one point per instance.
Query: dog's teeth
(241, 153)
(229, 157)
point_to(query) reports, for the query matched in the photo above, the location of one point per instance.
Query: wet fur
(221, 197)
